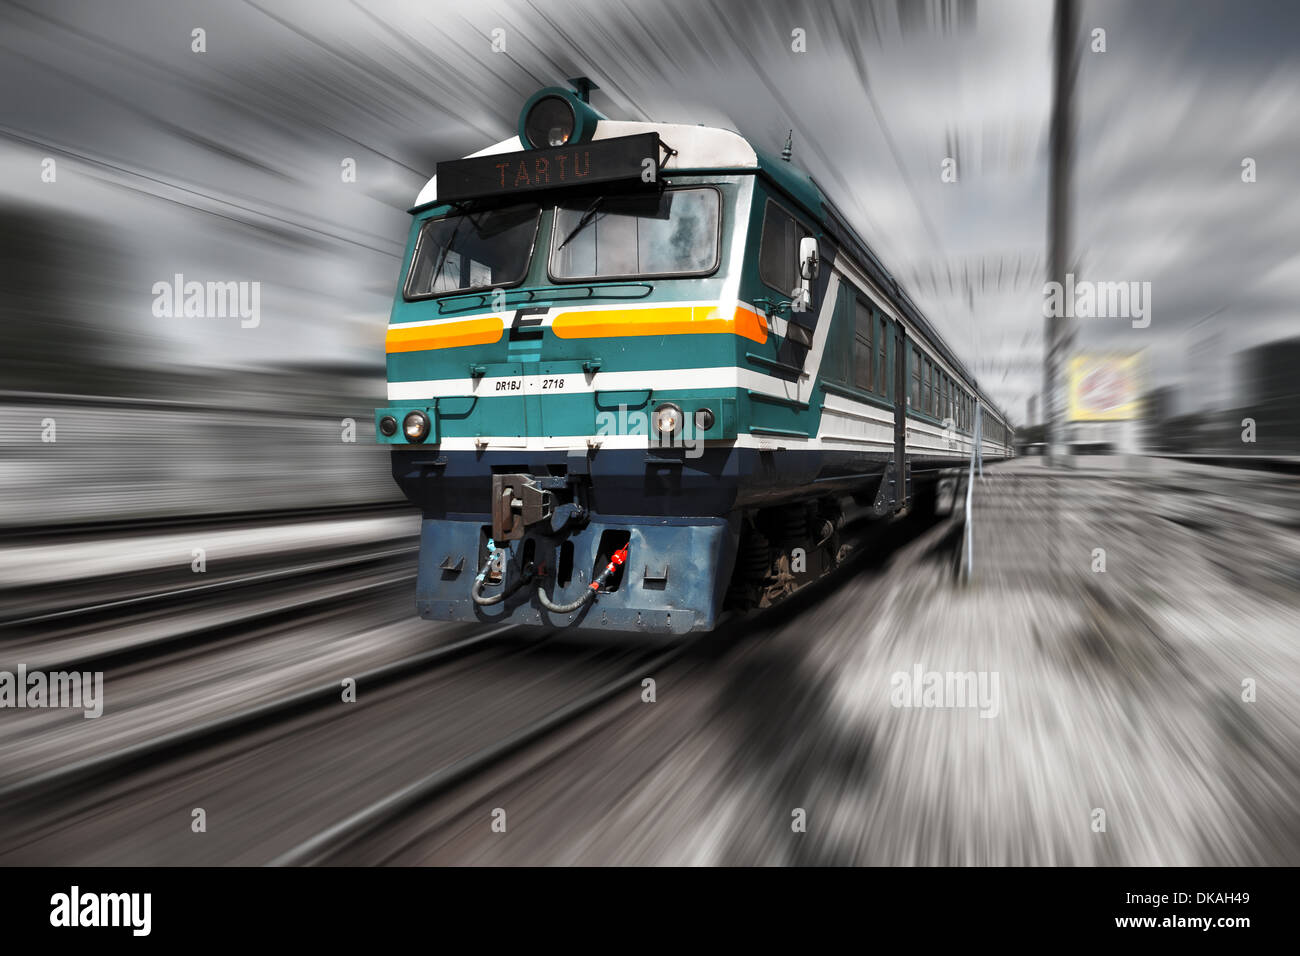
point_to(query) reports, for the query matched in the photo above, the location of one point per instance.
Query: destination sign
(601, 161)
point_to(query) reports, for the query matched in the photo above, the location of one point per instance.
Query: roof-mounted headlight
(556, 117)
(550, 122)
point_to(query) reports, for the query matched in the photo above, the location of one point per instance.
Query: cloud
(217, 161)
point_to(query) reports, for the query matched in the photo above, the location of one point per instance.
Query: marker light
(388, 426)
(704, 419)
(550, 122)
(668, 418)
(416, 426)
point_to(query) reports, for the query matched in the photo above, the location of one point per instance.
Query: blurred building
(1269, 373)
(1207, 360)
(1271, 396)
(55, 325)
(1159, 407)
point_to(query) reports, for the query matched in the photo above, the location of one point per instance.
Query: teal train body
(643, 375)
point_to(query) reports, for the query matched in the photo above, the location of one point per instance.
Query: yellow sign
(1103, 388)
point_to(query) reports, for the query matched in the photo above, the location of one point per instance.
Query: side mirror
(809, 265)
(809, 259)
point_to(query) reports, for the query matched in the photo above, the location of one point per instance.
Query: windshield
(473, 251)
(670, 233)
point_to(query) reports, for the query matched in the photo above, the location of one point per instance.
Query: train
(646, 376)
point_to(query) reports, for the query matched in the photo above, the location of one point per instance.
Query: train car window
(927, 387)
(882, 356)
(914, 398)
(862, 357)
(674, 233)
(838, 358)
(471, 251)
(778, 250)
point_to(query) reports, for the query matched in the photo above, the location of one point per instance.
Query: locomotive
(645, 375)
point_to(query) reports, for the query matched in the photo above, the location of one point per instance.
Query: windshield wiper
(442, 259)
(583, 222)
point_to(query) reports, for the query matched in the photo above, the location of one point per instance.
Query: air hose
(496, 563)
(618, 558)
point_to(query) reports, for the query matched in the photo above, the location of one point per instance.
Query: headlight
(668, 418)
(416, 426)
(550, 122)
(388, 426)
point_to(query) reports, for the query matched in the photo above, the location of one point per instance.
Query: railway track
(331, 842)
(54, 785)
(340, 835)
(159, 641)
(60, 581)
(132, 794)
(80, 795)
(47, 532)
(94, 611)
(133, 642)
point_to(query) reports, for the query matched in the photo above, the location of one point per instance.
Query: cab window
(778, 252)
(469, 251)
(673, 233)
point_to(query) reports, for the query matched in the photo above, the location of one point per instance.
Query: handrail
(976, 454)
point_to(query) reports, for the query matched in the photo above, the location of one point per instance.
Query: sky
(225, 164)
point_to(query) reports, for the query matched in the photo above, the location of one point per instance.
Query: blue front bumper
(674, 581)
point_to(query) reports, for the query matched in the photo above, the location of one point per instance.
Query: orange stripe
(671, 320)
(751, 325)
(445, 335)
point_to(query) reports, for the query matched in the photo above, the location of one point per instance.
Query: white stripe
(581, 383)
(641, 442)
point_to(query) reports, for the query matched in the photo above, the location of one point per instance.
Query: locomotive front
(563, 378)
